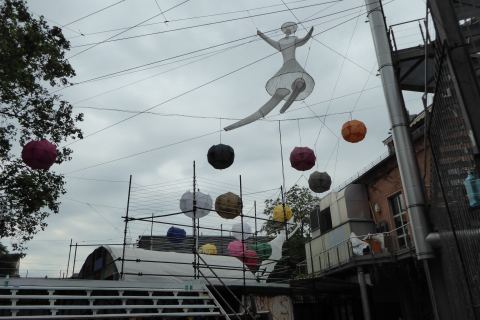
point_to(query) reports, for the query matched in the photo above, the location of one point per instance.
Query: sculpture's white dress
(290, 70)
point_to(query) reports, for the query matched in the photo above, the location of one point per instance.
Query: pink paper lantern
(39, 154)
(302, 158)
(236, 248)
(248, 257)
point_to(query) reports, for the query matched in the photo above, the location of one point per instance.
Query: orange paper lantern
(354, 131)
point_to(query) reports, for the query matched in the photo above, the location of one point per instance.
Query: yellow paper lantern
(208, 248)
(279, 215)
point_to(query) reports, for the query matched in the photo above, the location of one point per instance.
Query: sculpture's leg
(279, 95)
(297, 87)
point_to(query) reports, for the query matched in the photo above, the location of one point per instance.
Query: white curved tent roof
(177, 267)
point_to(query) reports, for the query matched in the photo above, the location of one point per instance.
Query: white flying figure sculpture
(267, 266)
(290, 83)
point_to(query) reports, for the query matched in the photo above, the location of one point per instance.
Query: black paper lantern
(319, 182)
(220, 156)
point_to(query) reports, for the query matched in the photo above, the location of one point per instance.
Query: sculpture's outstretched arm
(271, 42)
(301, 42)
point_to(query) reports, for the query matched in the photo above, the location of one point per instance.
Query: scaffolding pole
(126, 226)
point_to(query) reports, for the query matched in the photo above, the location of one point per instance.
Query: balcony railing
(381, 246)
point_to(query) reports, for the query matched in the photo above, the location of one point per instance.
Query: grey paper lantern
(204, 204)
(237, 231)
(319, 182)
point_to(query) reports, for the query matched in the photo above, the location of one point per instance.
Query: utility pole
(404, 151)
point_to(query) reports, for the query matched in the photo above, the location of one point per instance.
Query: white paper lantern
(237, 231)
(204, 204)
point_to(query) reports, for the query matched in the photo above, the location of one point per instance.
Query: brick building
(372, 207)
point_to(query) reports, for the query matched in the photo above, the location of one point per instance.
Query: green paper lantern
(263, 250)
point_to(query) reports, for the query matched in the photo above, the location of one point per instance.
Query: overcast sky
(97, 191)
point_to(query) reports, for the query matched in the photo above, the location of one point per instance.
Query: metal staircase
(49, 299)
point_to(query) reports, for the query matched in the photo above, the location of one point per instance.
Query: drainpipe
(405, 153)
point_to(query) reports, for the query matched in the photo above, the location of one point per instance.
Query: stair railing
(241, 304)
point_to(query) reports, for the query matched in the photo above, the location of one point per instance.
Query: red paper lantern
(39, 154)
(250, 259)
(354, 131)
(302, 158)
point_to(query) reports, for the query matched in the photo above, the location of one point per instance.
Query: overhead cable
(146, 151)
(198, 87)
(122, 32)
(200, 50)
(93, 13)
(193, 18)
(198, 25)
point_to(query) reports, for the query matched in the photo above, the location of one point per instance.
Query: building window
(400, 218)
(314, 219)
(325, 220)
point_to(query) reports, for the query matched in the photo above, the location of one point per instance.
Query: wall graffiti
(280, 307)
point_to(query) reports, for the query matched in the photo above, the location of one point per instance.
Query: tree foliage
(302, 202)
(32, 63)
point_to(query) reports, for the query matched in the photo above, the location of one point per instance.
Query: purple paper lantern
(302, 158)
(39, 154)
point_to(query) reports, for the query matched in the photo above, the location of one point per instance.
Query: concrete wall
(350, 212)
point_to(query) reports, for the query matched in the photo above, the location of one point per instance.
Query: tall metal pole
(310, 247)
(221, 239)
(151, 235)
(194, 221)
(405, 153)
(243, 237)
(284, 213)
(69, 253)
(126, 226)
(255, 217)
(363, 294)
(74, 258)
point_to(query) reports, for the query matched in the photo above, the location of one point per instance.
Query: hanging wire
(299, 132)
(122, 32)
(281, 157)
(161, 11)
(220, 130)
(93, 13)
(336, 162)
(251, 19)
(362, 91)
(335, 147)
